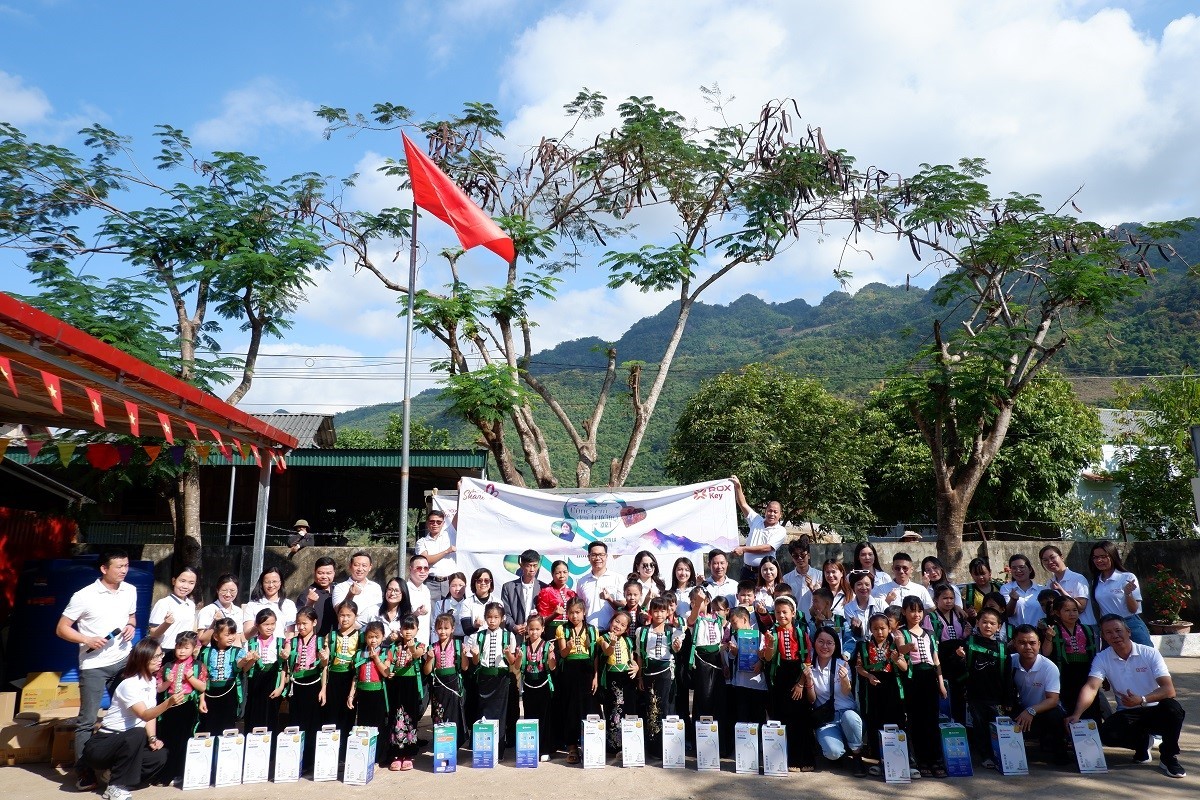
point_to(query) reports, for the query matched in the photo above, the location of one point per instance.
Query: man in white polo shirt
(1038, 687)
(366, 594)
(766, 534)
(1146, 704)
(601, 590)
(902, 585)
(101, 618)
(438, 547)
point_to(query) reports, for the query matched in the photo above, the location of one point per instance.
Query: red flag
(54, 389)
(152, 450)
(131, 412)
(164, 422)
(34, 446)
(257, 457)
(97, 406)
(6, 371)
(103, 456)
(192, 427)
(436, 193)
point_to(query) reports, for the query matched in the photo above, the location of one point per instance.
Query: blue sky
(1055, 95)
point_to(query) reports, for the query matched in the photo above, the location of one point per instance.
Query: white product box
(774, 749)
(674, 743)
(198, 762)
(893, 748)
(633, 743)
(231, 748)
(708, 745)
(1008, 748)
(256, 760)
(325, 759)
(745, 748)
(594, 755)
(1089, 752)
(289, 755)
(360, 756)
(485, 743)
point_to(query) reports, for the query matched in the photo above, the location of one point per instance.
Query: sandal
(988, 764)
(874, 770)
(808, 768)
(925, 771)
(406, 765)
(396, 766)
(573, 755)
(939, 771)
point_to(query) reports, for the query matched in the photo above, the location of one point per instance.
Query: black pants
(126, 755)
(1050, 729)
(1132, 727)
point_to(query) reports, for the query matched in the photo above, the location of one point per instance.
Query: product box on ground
(708, 745)
(1089, 752)
(594, 755)
(774, 749)
(893, 750)
(445, 747)
(328, 751)
(198, 762)
(955, 750)
(256, 760)
(62, 749)
(22, 743)
(527, 743)
(231, 748)
(745, 748)
(674, 743)
(360, 756)
(289, 755)
(633, 742)
(485, 744)
(1008, 748)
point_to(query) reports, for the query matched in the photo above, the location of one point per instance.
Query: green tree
(1022, 282)
(786, 438)
(420, 437)
(225, 239)
(1156, 465)
(1053, 436)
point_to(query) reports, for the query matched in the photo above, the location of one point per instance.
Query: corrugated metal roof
(320, 457)
(1119, 425)
(311, 430)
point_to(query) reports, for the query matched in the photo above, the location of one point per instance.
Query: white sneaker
(544, 757)
(116, 793)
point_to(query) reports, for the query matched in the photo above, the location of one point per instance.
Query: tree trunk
(951, 514)
(537, 454)
(187, 519)
(493, 436)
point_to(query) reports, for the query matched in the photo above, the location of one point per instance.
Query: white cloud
(260, 109)
(22, 104)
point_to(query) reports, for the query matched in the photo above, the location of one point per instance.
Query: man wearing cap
(438, 547)
(300, 537)
(766, 535)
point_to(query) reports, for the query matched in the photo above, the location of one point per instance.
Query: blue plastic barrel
(44, 588)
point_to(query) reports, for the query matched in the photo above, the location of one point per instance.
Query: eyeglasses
(597, 555)
(433, 522)
(392, 589)
(420, 569)
(482, 581)
(898, 568)
(646, 565)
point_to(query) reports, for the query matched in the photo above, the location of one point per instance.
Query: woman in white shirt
(1115, 591)
(223, 607)
(1021, 593)
(126, 743)
(835, 711)
(268, 593)
(175, 613)
(470, 613)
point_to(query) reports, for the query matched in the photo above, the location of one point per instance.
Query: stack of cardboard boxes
(40, 725)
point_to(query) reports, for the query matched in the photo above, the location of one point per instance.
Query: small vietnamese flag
(53, 388)
(97, 406)
(436, 193)
(257, 457)
(192, 427)
(6, 371)
(131, 412)
(217, 438)
(164, 422)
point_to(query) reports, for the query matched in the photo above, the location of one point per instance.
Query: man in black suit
(520, 600)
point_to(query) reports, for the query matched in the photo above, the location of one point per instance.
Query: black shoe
(1141, 756)
(87, 779)
(1171, 766)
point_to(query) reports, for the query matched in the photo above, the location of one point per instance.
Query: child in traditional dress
(177, 723)
(340, 648)
(1071, 645)
(950, 628)
(266, 678)
(576, 651)
(879, 666)
(987, 681)
(633, 605)
(368, 695)
(407, 694)
(537, 665)
(617, 677)
(747, 684)
(220, 664)
(923, 689)
(444, 664)
(493, 654)
(981, 586)
(786, 648)
(658, 643)
(708, 679)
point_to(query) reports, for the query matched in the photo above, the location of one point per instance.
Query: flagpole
(405, 460)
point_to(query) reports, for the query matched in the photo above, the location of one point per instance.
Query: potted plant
(1168, 596)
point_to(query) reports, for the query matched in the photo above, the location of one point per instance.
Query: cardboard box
(328, 751)
(1089, 752)
(198, 762)
(594, 755)
(256, 760)
(39, 691)
(745, 748)
(231, 748)
(528, 743)
(62, 750)
(8, 707)
(22, 743)
(747, 656)
(708, 746)
(1008, 748)
(485, 743)
(445, 748)
(633, 742)
(360, 756)
(774, 749)
(893, 749)
(674, 743)
(955, 750)
(289, 755)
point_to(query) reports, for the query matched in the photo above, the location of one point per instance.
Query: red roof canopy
(34, 341)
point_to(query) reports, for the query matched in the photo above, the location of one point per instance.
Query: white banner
(495, 523)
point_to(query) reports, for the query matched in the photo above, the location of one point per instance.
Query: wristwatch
(1031, 711)
(151, 739)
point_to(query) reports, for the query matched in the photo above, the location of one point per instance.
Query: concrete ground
(1123, 780)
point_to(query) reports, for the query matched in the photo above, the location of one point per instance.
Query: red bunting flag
(34, 446)
(164, 422)
(436, 193)
(103, 456)
(6, 371)
(217, 438)
(97, 406)
(257, 457)
(131, 413)
(53, 388)
(192, 427)
(152, 450)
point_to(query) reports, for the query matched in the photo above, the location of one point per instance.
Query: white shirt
(448, 605)
(368, 600)
(447, 565)
(800, 588)
(1076, 585)
(589, 587)
(285, 613)
(214, 611)
(184, 612)
(1034, 683)
(821, 677)
(726, 588)
(97, 610)
(910, 589)
(471, 609)
(1110, 595)
(1029, 610)
(1138, 674)
(419, 597)
(760, 534)
(131, 691)
(851, 611)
